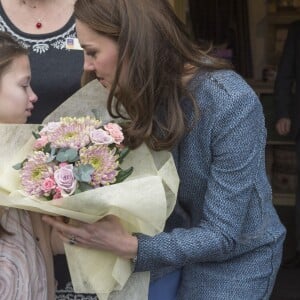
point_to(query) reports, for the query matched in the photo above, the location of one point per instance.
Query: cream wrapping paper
(142, 202)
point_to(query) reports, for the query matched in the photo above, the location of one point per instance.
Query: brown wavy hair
(156, 50)
(9, 50)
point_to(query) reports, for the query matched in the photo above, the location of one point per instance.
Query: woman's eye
(91, 53)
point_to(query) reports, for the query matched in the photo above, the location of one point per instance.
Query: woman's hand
(106, 234)
(283, 126)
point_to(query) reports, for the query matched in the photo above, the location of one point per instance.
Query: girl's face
(16, 96)
(100, 54)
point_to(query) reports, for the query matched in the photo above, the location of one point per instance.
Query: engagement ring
(72, 240)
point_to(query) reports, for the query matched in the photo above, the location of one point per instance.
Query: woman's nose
(87, 65)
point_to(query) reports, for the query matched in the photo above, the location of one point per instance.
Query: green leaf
(20, 165)
(36, 135)
(40, 128)
(83, 173)
(52, 154)
(72, 155)
(50, 158)
(47, 148)
(67, 155)
(123, 174)
(84, 187)
(77, 191)
(53, 151)
(61, 155)
(123, 154)
(96, 114)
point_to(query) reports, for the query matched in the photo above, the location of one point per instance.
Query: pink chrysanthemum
(73, 132)
(34, 172)
(103, 160)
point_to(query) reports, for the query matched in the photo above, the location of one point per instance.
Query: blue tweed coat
(224, 232)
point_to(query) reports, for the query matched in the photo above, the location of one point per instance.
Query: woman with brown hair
(180, 98)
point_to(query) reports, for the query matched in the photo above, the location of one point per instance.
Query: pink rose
(65, 179)
(57, 194)
(101, 137)
(115, 131)
(48, 185)
(40, 142)
(62, 164)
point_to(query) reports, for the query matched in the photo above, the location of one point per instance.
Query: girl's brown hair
(156, 50)
(9, 50)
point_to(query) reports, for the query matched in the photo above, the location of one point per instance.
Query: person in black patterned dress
(42, 27)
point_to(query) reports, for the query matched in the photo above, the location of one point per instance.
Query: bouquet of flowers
(72, 156)
(81, 171)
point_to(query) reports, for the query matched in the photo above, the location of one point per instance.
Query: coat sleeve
(237, 142)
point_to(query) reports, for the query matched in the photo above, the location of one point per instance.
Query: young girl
(25, 257)
(16, 96)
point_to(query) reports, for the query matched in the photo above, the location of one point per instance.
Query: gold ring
(72, 240)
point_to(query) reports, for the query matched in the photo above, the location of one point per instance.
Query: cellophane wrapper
(143, 201)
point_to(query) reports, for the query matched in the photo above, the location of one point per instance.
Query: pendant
(38, 25)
